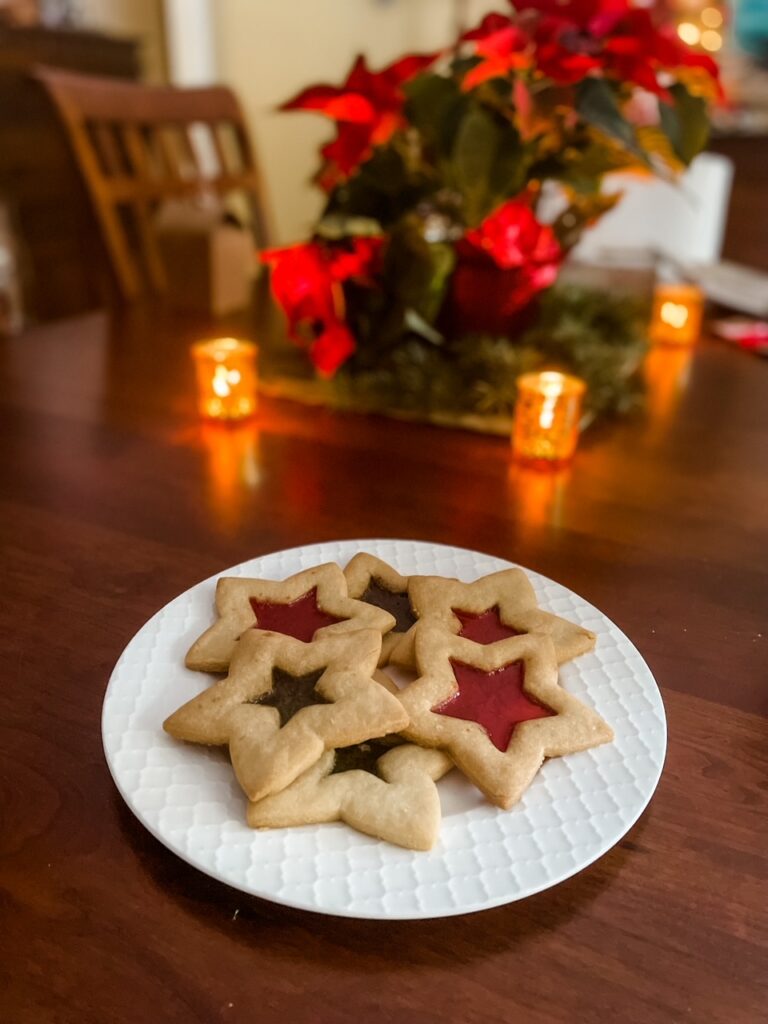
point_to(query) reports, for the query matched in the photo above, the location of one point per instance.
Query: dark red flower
(502, 44)
(638, 49)
(501, 265)
(575, 38)
(307, 283)
(368, 109)
(589, 15)
(563, 54)
(512, 237)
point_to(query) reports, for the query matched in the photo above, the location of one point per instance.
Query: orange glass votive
(227, 378)
(677, 314)
(547, 416)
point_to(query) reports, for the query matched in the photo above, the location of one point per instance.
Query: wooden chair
(138, 145)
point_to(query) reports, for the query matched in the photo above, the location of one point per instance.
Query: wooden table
(115, 498)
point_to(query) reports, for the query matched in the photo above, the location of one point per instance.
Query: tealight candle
(677, 313)
(547, 415)
(226, 378)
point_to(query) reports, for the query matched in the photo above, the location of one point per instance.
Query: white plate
(577, 807)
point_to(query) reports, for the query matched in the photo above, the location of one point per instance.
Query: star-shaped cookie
(492, 608)
(496, 709)
(385, 791)
(284, 703)
(371, 580)
(313, 603)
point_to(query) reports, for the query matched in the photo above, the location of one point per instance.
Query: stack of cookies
(319, 731)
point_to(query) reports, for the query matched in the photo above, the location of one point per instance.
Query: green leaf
(474, 153)
(509, 172)
(685, 122)
(488, 162)
(417, 271)
(435, 106)
(383, 190)
(597, 103)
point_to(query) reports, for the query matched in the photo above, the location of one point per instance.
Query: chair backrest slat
(138, 145)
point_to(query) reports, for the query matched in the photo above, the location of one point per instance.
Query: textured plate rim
(471, 907)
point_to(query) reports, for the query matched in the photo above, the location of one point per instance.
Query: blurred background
(266, 52)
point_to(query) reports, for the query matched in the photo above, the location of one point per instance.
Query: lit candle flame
(547, 416)
(227, 378)
(674, 314)
(224, 380)
(551, 388)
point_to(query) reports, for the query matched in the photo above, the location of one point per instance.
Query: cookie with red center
(285, 703)
(309, 605)
(493, 608)
(496, 709)
(373, 581)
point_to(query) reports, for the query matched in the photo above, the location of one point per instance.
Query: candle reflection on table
(234, 471)
(666, 373)
(536, 498)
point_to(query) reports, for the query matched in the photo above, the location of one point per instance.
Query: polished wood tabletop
(115, 498)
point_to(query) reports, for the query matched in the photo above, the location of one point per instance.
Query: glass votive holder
(677, 314)
(547, 416)
(227, 378)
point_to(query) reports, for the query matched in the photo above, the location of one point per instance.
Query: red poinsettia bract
(638, 50)
(502, 264)
(566, 40)
(581, 37)
(307, 283)
(502, 44)
(368, 109)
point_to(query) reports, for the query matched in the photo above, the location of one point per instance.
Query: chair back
(139, 145)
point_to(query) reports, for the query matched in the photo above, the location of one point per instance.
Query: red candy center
(301, 618)
(496, 700)
(485, 628)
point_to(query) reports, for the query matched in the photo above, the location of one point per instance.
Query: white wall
(268, 50)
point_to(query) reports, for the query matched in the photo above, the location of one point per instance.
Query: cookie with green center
(285, 703)
(373, 581)
(493, 608)
(497, 709)
(384, 791)
(311, 604)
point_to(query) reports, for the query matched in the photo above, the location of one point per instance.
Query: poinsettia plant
(431, 233)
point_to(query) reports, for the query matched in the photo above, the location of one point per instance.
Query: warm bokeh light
(677, 314)
(666, 373)
(711, 17)
(233, 472)
(536, 498)
(711, 40)
(674, 314)
(226, 378)
(547, 415)
(689, 33)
